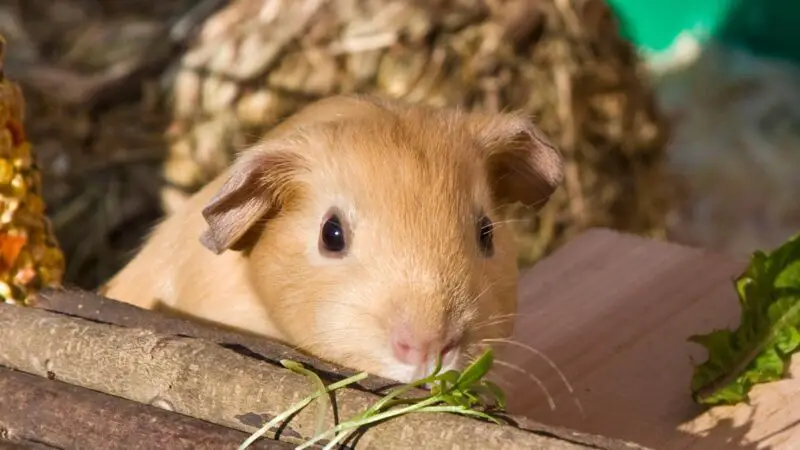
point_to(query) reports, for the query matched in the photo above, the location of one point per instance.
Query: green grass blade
(278, 419)
(298, 406)
(462, 411)
(319, 420)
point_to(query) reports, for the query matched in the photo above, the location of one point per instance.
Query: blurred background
(679, 120)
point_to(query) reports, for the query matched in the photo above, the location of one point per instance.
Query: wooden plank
(23, 445)
(100, 309)
(201, 379)
(51, 413)
(94, 307)
(614, 313)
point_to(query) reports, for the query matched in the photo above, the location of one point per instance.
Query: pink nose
(416, 351)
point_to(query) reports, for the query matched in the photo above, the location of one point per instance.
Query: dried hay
(256, 61)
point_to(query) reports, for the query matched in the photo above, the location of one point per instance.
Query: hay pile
(253, 62)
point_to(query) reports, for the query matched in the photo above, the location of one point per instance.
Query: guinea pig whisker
(536, 380)
(511, 315)
(486, 324)
(507, 221)
(549, 361)
(536, 352)
(538, 203)
(500, 208)
(482, 293)
(500, 380)
(498, 319)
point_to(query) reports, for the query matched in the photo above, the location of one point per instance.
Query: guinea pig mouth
(405, 373)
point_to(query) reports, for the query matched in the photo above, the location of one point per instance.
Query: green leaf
(497, 393)
(759, 349)
(474, 395)
(450, 377)
(457, 398)
(477, 370)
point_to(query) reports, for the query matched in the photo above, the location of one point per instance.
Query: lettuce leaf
(760, 348)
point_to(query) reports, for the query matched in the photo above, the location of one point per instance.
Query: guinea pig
(365, 231)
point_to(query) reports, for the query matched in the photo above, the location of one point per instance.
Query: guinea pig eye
(486, 235)
(332, 235)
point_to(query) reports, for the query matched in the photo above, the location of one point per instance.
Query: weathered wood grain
(54, 414)
(202, 379)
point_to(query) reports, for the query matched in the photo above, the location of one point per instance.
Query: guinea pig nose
(410, 349)
(406, 351)
(415, 350)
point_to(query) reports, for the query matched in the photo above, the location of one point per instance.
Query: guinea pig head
(374, 230)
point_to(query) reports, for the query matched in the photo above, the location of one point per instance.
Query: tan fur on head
(408, 188)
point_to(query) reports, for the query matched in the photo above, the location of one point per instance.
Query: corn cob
(30, 257)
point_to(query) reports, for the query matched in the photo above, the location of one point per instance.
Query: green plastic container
(766, 27)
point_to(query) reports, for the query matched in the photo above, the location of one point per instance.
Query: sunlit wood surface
(614, 312)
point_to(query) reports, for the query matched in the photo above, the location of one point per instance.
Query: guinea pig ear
(523, 165)
(257, 185)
